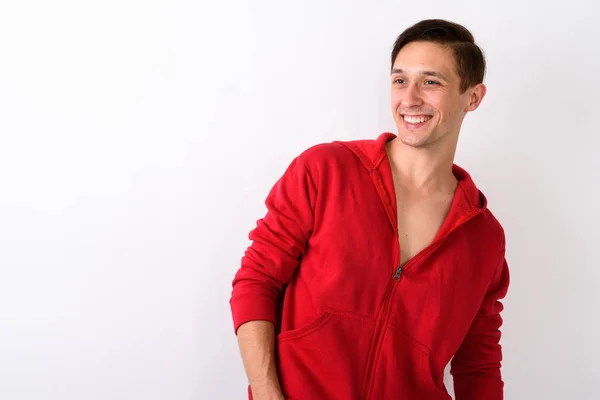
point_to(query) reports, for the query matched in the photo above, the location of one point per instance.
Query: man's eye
(398, 80)
(431, 82)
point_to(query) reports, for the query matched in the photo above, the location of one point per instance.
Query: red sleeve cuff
(252, 307)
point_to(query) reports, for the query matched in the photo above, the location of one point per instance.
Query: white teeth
(415, 120)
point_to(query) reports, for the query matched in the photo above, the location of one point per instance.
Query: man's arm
(278, 242)
(476, 365)
(256, 340)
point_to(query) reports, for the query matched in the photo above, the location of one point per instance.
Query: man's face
(426, 101)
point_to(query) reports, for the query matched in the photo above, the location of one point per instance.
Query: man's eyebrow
(424, 73)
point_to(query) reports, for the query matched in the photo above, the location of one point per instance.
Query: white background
(138, 140)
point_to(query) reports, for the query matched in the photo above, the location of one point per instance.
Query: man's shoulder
(331, 153)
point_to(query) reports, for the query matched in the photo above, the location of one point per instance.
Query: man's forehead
(422, 57)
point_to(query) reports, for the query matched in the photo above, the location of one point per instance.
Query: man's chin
(413, 139)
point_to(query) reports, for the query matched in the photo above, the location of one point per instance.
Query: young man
(378, 262)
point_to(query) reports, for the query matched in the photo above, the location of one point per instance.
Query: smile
(416, 119)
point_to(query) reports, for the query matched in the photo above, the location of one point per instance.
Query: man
(378, 262)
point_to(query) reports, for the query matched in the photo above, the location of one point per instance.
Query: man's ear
(476, 95)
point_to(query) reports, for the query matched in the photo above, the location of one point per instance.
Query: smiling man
(378, 261)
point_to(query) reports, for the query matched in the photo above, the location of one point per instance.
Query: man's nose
(412, 96)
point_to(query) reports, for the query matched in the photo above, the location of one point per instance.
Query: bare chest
(419, 220)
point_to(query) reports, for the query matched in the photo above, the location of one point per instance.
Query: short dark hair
(470, 61)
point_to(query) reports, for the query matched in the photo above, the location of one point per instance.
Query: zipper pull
(398, 272)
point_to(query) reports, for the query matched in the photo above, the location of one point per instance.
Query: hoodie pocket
(324, 359)
(305, 330)
(404, 370)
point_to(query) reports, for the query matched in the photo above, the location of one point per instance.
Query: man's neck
(423, 169)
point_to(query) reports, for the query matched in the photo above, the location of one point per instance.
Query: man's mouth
(415, 121)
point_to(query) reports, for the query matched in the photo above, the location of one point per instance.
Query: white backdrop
(138, 140)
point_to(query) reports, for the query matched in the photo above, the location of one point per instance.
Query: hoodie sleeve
(476, 364)
(277, 243)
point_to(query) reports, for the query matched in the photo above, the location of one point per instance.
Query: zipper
(378, 334)
(398, 273)
(387, 308)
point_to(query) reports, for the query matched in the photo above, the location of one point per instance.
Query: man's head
(436, 78)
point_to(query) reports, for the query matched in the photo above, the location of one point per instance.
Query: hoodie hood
(373, 155)
(468, 200)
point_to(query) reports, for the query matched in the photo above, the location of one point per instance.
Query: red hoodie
(351, 322)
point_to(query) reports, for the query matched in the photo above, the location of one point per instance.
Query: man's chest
(419, 220)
